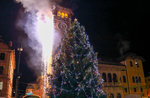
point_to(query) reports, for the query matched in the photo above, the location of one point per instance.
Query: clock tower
(62, 18)
(62, 21)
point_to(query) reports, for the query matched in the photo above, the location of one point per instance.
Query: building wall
(8, 64)
(136, 77)
(131, 80)
(147, 79)
(112, 87)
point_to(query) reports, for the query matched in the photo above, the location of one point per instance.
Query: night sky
(112, 26)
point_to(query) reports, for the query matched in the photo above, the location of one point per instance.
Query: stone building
(7, 66)
(147, 80)
(114, 76)
(125, 78)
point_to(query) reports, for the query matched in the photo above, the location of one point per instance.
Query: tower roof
(131, 55)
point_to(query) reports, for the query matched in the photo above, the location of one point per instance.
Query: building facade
(147, 80)
(7, 66)
(125, 78)
(135, 75)
(114, 76)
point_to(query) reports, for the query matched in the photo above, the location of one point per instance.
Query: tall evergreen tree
(75, 68)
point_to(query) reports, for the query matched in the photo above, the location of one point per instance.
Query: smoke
(31, 44)
(124, 46)
(123, 43)
(72, 4)
(27, 21)
(35, 5)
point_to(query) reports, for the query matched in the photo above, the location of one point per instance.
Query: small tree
(75, 69)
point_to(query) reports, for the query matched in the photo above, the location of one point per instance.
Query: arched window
(124, 79)
(118, 95)
(136, 79)
(136, 63)
(115, 78)
(131, 64)
(109, 77)
(139, 79)
(104, 77)
(111, 95)
(133, 79)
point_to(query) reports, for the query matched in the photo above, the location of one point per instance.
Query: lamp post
(20, 49)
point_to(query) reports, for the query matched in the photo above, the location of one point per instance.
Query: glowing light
(45, 32)
(62, 15)
(66, 15)
(59, 13)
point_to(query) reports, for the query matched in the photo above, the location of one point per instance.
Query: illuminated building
(147, 80)
(125, 78)
(7, 66)
(135, 74)
(114, 76)
(62, 18)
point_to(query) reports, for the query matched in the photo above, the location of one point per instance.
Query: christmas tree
(75, 68)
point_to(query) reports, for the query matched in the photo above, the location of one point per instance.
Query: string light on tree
(75, 71)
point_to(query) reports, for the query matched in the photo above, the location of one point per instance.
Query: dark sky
(111, 25)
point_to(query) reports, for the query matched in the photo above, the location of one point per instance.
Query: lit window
(136, 63)
(59, 13)
(66, 15)
(63, 15)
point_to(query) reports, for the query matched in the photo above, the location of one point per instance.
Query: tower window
(136, 79)
(131, 64)
(2, 56)
(134, 89)
(139, 79)
(133, 79)
(141, 89)
(136, 63)
(125, 89)
(1, 70)
(124, 79)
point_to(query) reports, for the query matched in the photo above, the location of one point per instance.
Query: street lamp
(20, 49)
